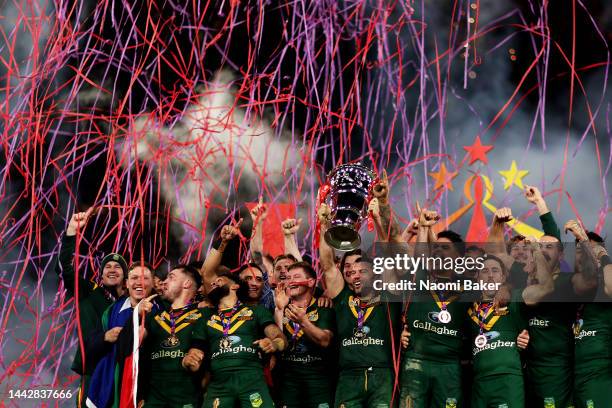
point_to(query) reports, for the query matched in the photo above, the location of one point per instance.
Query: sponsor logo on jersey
(590, 404)
(433, 316)
(492, 345)
(491, 335)
(169, 354)
(256, 400)
(233, 350)
(417, 324)
(586, 333)
(451, 403)
(549, 403)
(366, 341)
(535, 322)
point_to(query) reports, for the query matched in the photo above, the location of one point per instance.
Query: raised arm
(374, 213)
(215, 255)
(496, 244)
(281, 300)
(607, 275)
(258, 215)
(334, 282)
(425, 235)
(585, 276)
(67, 273)
(390, 229)
(605, 265)
(549, 225)
(545, 285)
(290, 227)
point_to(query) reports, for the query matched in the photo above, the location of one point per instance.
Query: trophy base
(342, 238)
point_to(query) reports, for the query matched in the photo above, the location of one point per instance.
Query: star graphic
(443, 178)
(513, 176)
(478, 151)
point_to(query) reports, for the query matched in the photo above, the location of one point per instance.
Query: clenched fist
(229, 232)
(503, 215)
(574, 227)
(522, 341)
(324, 214)
(259, 212)
(193, 359)
(291, 226)
(405, 338)
(78, 221)
(266, 345)
(380, 190)
(427, 218)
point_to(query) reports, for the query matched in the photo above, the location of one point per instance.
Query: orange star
(443, 178)
(478, 151)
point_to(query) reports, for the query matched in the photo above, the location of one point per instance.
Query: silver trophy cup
(348, 200)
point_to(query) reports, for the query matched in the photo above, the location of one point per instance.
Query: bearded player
(367, 322)
(233, 335)
(593, 322)
(167, 337)
(431, 371)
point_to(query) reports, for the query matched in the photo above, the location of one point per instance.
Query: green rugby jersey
(166, 356)
(92, 301)
(431, 339)
(593, 337)
(303, 358)
(501, 327)
(551, 340)
(246, 325)
(381, 324)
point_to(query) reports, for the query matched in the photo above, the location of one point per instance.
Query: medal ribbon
(577, 326)
(360, 314)
(357, 313)
(226, 319)
(174, 315)
(296, 326)
(483, 316)
(440, 300)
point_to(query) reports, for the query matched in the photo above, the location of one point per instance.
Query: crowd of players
(278, 332)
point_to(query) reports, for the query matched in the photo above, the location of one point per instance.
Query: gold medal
(359, 333)
(225, 343)
(171, 341)
(577, 326)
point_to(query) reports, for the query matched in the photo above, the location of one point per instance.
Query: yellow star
(443, 178)
(513, 176)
